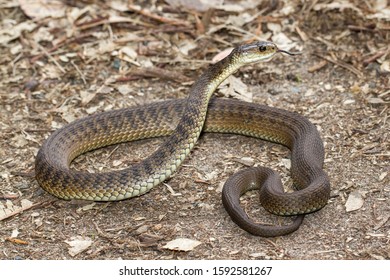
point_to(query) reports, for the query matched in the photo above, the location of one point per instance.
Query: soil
(104, 58)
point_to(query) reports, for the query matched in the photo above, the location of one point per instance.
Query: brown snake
(182, 121)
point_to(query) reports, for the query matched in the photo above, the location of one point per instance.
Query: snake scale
(182, 121)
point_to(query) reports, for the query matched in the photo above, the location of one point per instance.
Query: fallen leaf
(186, 46)
(86, 207)
(221, 55)
(19, 141)
(43, 8)
(354, 202)
(286, 163)
(385, 67)
(382, 176)
(375, 100)
(340, 5)
(141, 229)
(247, 161)
(15, 233)
(12, 32)
(125, 89)
(128, 54)
(283, 41)
(197, 5)
(182, 244)
(234, 87)
(87, 96)
(78, 244)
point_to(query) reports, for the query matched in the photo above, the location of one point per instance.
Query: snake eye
(262, 48)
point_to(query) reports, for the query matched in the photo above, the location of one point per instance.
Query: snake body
(183, 121)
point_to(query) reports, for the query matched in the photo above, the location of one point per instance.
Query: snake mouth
(289, 53)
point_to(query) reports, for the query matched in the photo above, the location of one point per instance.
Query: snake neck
(204, 87)
(179, 144)
(199, 96)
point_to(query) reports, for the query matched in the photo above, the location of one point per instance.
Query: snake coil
(183, 121)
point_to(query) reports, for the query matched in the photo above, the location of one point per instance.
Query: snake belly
(183, 121)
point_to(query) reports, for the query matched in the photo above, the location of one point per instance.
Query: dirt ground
(69, 59)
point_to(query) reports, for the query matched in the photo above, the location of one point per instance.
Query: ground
(69, 59)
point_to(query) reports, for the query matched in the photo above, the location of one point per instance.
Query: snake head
(257, 51)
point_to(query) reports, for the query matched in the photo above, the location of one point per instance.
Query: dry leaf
(118, 5)
(286, 163)
(86, 96)
(247, 161)
(197, 5)
(221, 55)
(186, 46)
(234, 87)
(92, 110)
(19, 141)
(25, 203)
(9, 33)
(340, 5)
(354, 202)
(9, 209)
(125, 89)
(15, 233)
(283, 41)
(385, 67)
(78, 244)
(383, 10)
(375, 100)
(86, 207)
(128, 54)
(43, 8)
(182, 244)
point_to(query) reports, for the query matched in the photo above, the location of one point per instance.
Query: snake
(180, 122)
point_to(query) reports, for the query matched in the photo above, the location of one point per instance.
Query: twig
(362, 28)
(155, 72)
(30, 174)
(39, 130)
(92, 23)
(9, 196)
(78, 71)
(102, 233)
(148, 14)
(22, 209)
(374, 57)
(342, 64)
(318, 66)
(63, 42)
(51, 58)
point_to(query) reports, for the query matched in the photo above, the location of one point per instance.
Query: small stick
(78, 71)
(155, 72)
(63, 42)
(374, 57)
(148, 14)
(16, 212)
(342, 64)
(51, 58)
